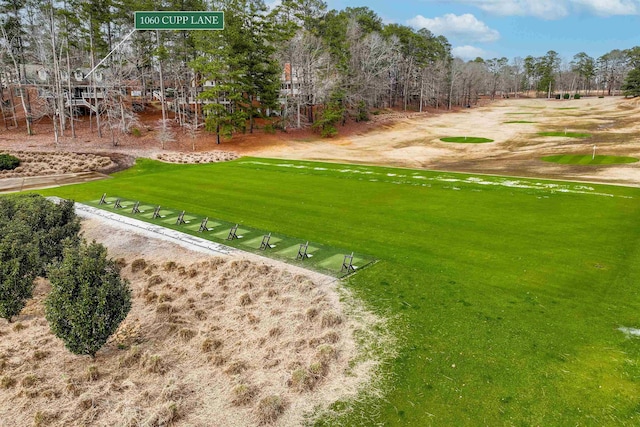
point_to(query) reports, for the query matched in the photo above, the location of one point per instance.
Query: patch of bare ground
(208, 341)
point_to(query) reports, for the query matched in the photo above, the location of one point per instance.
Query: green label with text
(179, 20)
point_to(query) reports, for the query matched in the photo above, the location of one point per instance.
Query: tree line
(298, 64)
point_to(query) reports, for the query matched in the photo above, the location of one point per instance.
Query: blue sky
(510, 28)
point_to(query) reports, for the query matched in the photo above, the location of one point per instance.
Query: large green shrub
(8, 162)
(18, 265)
(50, 223)
(88, 298)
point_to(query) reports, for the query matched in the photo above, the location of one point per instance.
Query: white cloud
(610, 7)
(468, 52)
(460, 27)
(556, 9)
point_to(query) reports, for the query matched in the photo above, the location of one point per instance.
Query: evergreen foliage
(18, 265)
(49, 223)
(88, 299)
(631, 86)
(8, 162)
(332, 113)
(32, 230)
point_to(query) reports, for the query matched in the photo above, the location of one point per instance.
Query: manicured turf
(518, 121)
(572, 159)
(566, 134)
(466, 139)
(323, 258)
(506, 294)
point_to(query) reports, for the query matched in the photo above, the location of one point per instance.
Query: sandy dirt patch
(415, 141)
(209, 341)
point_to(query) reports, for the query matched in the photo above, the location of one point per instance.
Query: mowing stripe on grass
(587, 159)
(506, 293)
(466, 139)
(318, 253)
(566, 134)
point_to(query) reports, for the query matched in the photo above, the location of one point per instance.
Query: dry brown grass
(207, 157)
(269, 409)
(190, 352)
(38, 164)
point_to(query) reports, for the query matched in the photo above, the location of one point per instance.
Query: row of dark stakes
(347, 264)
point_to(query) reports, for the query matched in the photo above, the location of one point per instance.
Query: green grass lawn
(574, 159)
(323, 258)
(566, 134)
(518, 121)
(466, 139)
(506, 294)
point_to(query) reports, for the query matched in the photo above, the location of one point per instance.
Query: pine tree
(631, 85)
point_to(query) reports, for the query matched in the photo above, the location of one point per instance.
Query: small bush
(92, 373)
(566, 96)
(326, 353)
(169, 266)
(243, 394)
(269, 128)
(155, 280)
(164, 297)
(331, 319)
(576, 96)
(8, 162)
(301, 380)
(136, 132)
(7, 382)
(236, 367)
(311, 313)
(138, 265)
(154, 365)
(269, 409)
(29, 381)
(186, 334)
(165, 416)
(39, 355)
(245, 299)
(131, 358)
(210, 344)
(19, 327)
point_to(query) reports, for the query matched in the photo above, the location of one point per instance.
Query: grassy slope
(508, 299)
